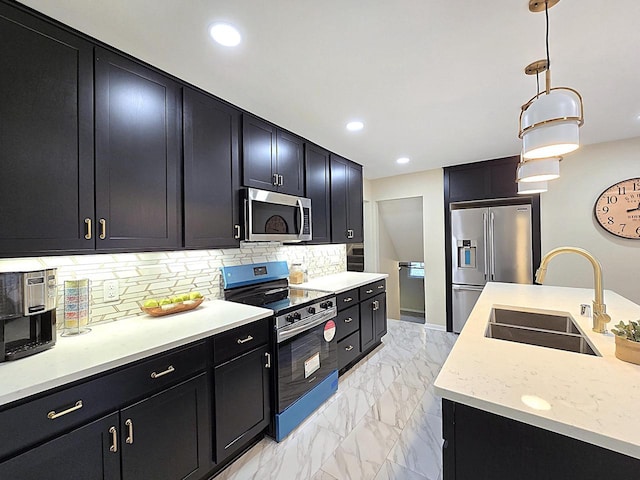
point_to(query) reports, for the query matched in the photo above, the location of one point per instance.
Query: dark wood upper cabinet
(346, 201)
(272, 158)
(137, 155)
(211, 172)
(318, 182)
(46, 137)
(482, 180)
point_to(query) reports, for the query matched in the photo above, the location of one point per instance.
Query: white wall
(429, 186)
(403, 221)
(567, 218)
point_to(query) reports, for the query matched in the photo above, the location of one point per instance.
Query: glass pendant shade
(529, 188)
(538, 170)
(551, 125)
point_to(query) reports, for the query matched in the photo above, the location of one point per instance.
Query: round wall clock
(617, 209)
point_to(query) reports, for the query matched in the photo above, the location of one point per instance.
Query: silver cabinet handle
(376, 305)
(237, 229)
(280, 180)
(129, 425)
(275, 179)
(87, 222)
(369, 291)
(348, 299)
(268, 364)
(244, 340)
(380, 287)
(52, 415)
(349, 348)
(114, 440)
(169, 369)
(348, 320)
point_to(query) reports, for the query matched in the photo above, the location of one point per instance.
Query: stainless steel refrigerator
(491, 244)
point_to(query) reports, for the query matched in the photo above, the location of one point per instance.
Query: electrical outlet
(111, 290)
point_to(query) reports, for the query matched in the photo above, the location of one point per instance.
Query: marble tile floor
(384, 423)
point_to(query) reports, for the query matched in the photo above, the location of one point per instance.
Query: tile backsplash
(161, 274)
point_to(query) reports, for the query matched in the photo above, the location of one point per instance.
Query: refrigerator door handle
(486, 240)
(493, 253)
(471, 288)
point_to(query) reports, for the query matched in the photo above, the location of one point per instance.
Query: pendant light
(541, 170)
(529, 188)
(549, 122)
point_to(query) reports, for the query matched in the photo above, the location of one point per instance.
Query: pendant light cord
(546, 14)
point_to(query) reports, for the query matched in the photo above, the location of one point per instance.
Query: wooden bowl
(173, 307)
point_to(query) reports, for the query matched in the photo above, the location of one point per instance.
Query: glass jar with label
(297, 274)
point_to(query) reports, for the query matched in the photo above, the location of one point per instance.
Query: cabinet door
(339, 199)
(46, 136)
(167, 436)
(318, 189)
(211, 172)
(258, 154)
(241, 404)
(87, 453)
(380, 316)
(367, 329)
(137, 155)
(355, 201)
(290, 163)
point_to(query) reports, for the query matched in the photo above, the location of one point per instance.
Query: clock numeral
(622, 225)
(612, 199)
(610, 220)
(638, 231)
(622, 190)
(605, 209)
(636, 186)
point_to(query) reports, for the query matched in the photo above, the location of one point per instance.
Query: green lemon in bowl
(151, 303)
(195, 295)
(164, 301)
(176, 299)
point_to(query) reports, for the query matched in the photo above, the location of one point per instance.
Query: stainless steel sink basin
(541, 328)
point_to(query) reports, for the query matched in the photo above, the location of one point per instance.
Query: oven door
(304, 361)
(273, 216)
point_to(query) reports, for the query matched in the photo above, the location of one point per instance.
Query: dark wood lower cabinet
(82, 454)
(479, 445)
(241, 401)
(166, 436)
(373, 321)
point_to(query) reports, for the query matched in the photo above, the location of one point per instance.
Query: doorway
(412, 292)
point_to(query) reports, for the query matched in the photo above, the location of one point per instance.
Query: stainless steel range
(304, 343)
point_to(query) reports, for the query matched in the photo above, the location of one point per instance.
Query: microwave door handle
(301, 208)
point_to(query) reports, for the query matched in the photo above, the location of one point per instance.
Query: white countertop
(341, 282)
(591, 398)
(114, 344)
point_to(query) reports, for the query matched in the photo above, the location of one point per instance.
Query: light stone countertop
(591, 398)
(114, 344)
(340, 282)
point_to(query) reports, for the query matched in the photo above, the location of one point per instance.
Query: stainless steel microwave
(276, 217)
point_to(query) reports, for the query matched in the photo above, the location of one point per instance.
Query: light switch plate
(111, 290)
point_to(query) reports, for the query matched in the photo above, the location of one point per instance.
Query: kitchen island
(589, 400)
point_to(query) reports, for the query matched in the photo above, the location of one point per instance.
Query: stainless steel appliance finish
(489, 244)
(303, 319)
(27, 313)
(271, 216)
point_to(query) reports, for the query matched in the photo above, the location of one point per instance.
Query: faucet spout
(600, 317)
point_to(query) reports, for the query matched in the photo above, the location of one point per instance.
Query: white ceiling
(439, 81)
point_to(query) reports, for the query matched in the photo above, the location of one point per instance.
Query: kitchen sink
(540, 327)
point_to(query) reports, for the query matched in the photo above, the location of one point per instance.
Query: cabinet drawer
(372, 289)
(348, 350)
(240, 340)
(346, 299)
(347, 322)
(31, 422)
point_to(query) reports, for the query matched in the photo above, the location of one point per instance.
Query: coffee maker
(27, 313)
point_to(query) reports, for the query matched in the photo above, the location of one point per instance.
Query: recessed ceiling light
(225, 34)
(402, 160)
(355, 126)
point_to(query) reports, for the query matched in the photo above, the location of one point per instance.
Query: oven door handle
(283, 335)
(301, 208)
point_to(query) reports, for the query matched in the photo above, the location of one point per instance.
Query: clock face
(617, 209)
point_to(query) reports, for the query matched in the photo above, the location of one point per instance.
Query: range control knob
(323, 305)
(311, 310)
(296, 316)
(329, 304)
(289, 318)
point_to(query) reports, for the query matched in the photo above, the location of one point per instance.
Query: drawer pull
(170, 369)
(268, 364)
(114, 440)
(380, 287)
(348, 320)
(376, 305)
(52, 415)
(349, 348)
(244, 340)
(369, 291)
(348, 299)
(129, 438)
